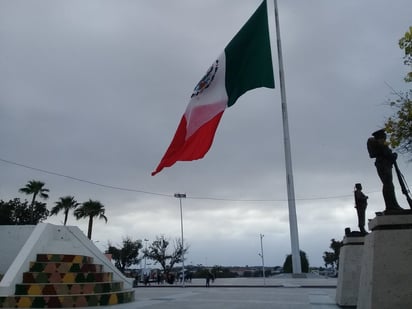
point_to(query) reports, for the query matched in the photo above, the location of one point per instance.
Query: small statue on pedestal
(361, 202)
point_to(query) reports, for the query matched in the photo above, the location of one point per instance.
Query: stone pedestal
(350, 260)
(386, 275)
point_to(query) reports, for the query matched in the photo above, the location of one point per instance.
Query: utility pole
(263, 258)
(180, 196)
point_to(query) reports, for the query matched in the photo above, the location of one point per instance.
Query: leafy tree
(405, 43)
(329, 258)
(399, 125)
(159, 253)
(64, 204)
(287, 265)
(127, 255)
(6, 213)
(36, 188)
(90, 209)
(332, 258)
(16, 212)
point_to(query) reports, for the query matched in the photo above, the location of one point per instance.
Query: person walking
(208, 277)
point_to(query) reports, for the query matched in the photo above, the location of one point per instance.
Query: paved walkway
(240, 293)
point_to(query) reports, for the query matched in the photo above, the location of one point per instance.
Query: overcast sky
(94, 90)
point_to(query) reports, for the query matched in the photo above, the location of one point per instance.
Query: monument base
(350, 260)
(385, 280)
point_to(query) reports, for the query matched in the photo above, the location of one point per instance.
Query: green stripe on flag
(248, 57)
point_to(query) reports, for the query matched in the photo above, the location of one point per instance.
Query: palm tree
(64, 204)
(36, 188)
(90, 209)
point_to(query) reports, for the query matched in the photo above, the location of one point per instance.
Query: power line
(163, 194)
(82, 180)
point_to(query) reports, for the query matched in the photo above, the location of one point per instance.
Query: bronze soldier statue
(385, 159)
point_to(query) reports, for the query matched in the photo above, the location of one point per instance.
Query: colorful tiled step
(63, 267)
(61, 281)
(67, 289)
(66, 301)
(68, 258)
(41, 277)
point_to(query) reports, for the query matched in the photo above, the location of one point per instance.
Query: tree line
(18, 212)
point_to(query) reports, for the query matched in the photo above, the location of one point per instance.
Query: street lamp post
(263, 259)
(180, 196)
(144, 269)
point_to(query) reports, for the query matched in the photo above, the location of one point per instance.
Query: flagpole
(293, 225)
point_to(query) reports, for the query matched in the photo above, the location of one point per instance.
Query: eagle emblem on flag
(206, 80)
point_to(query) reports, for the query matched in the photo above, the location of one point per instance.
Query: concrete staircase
(61, 281)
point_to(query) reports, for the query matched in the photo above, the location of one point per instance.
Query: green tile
(21, 289)
(93, 300)
(38, 302)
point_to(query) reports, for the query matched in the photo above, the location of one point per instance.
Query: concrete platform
(241, 293)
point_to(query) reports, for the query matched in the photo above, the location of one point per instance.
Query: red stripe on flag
(194, 148)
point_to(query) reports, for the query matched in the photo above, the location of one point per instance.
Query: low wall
(12, 239)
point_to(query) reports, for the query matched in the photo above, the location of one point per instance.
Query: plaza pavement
(241, 293)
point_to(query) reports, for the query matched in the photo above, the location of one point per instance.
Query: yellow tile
(69, 278)
(113, 299)
(77, 259)
(24, 302)
(34, 290)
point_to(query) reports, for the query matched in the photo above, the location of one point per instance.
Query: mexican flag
(245, 64)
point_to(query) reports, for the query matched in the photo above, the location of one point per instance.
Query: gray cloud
(95, 90)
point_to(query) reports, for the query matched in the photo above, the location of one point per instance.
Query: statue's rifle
(402, 182)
